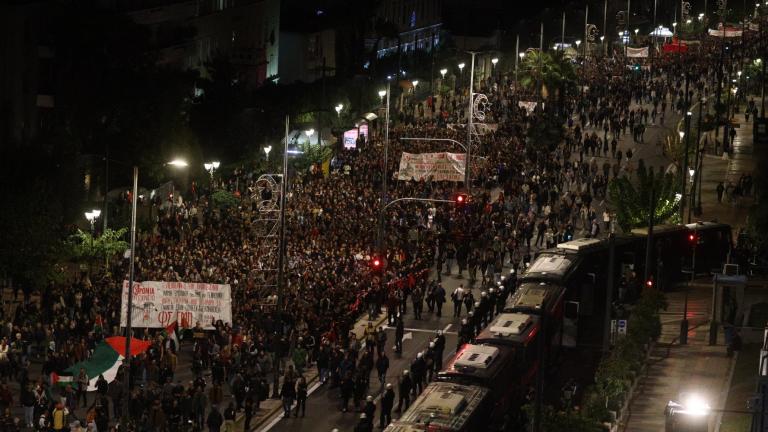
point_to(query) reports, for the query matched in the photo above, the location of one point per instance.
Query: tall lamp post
(461, 72)
(91, 216)
(383, 204)
(338, 109)
(467, 161)
(178, 163)
(211, 167)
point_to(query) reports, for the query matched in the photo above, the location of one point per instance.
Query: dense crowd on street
(525, 197)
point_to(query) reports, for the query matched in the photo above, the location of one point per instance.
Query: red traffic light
(649, 283)
(461, 199)
(692, 237)
(376, 262)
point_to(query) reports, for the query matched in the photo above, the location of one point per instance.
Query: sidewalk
(732, 210)
(674, 368)
(698, 367)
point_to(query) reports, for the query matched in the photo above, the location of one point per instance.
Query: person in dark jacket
(347, 388)
(382, 365)
(287, 394)
(364, 425)
(406, 385)
(387, 402)
(215, 420)
(301, 397)
(369, 409)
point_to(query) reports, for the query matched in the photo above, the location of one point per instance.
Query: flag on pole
(170, 333)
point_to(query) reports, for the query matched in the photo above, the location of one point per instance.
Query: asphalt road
(323, 405)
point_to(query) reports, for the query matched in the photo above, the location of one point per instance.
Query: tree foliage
(87, 248)
(632, 201)
(549, 73)
(224, 199)
(563, 421)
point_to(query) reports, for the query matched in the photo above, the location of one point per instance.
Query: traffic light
(692, 238)
(461, 200)
(376, 264)
(649, 283)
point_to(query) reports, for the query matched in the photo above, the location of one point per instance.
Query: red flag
(138, 346)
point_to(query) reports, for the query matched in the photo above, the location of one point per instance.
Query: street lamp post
(281, 233)
(467, 161)
(383, 205)
(211, 167)
(684, 162)
(494, 61)
(461, 72)
(338, 109)
(179, 163)
(91, 216)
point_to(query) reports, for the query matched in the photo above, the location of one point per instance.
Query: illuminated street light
(338, 109)
(494, 61)
(415, 83)
(178, 163)
(91, 216)
(682, 134)
(602, 38)
(461, 66)
(267, 149)
(637, 31)
(578, 42)
(309, 132)
(211, 167)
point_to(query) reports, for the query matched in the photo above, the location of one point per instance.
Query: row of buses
(559, 301)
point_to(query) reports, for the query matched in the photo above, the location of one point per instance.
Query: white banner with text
(158, 304)
(436, 166)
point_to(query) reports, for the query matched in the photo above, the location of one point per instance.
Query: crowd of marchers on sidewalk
(547, 194)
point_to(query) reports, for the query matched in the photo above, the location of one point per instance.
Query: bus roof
(579, 244)
(550, 266)
(480, 363)
(531, 296)
(443, 405)
(510, 328)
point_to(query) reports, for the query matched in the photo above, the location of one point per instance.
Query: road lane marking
(280, 416)
(422, 330)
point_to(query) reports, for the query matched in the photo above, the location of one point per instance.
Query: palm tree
(548, 70)
(633, 201)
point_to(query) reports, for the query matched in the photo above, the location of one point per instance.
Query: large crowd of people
(525, 196)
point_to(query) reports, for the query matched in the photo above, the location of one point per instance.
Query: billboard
(351, 136)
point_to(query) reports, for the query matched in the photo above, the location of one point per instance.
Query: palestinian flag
(106, 360)
(170, 333)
